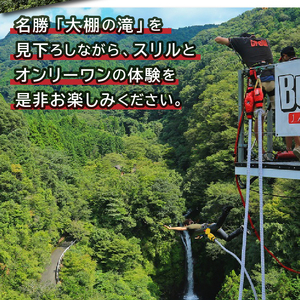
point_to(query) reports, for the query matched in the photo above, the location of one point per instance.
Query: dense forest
(9, 5)
(111, 179)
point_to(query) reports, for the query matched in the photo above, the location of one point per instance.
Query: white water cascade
(190, 268)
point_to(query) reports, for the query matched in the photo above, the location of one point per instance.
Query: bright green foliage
(7, 294)
(230, 289)
(9, 6)
(75, 136)
(115, 252)
(111, 179)
(134, 285)
(46, 194)
(78, 274)
(9, 120)
(286, 287)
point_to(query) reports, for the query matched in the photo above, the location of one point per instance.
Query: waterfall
(190, 268)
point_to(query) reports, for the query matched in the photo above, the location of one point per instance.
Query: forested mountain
(111, 179)
(9, 5)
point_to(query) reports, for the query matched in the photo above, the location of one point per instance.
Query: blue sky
(173, 17)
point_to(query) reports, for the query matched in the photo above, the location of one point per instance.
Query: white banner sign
(287, 98)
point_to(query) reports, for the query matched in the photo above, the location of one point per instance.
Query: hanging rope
(258, 99)
(246, 214)
(249, 279)
(213, 239)
(261, 204)
(253, 96)
(249, 108)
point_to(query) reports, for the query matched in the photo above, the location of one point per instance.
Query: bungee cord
(247, 275)
(261, 215)
(254, 97)
(213, 239)
(243, 262)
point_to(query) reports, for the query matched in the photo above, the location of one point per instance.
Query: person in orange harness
(215, 228)
(254, 52)
(288, 54)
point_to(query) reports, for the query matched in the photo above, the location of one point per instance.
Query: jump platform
(274, 169)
